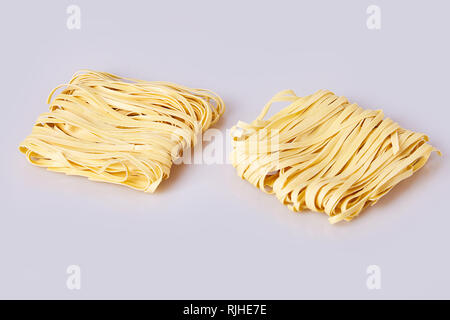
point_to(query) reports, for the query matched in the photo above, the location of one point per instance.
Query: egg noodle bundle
(325, 154)
(119, 130)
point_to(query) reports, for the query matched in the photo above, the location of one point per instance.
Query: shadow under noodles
(430, 168)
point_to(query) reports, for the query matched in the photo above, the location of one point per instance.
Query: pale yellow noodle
(325, 154)
(119, 130)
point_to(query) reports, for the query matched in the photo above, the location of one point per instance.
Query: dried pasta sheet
(326, 154)
(119, 130)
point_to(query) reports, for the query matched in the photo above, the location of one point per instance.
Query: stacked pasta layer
(325, 154)
(119, 130)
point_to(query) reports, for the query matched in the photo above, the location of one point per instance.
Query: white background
(206, 233)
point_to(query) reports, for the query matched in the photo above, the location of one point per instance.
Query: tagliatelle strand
(119, 130)
(325, 154)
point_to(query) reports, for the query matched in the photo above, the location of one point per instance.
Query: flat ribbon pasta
(325, 154)
(119, 130)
